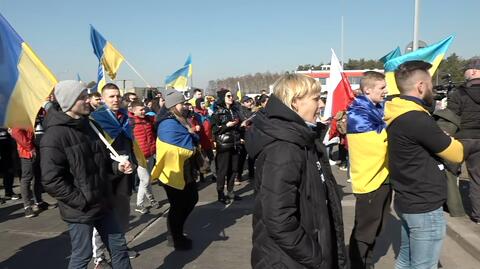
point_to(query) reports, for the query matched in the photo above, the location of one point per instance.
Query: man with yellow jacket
(367, 140)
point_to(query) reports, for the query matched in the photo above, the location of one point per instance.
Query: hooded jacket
(465, 102)
(416, 146)
(297, 219)
(76, 168)
(226, 138)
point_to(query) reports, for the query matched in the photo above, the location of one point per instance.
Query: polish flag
(339, 93)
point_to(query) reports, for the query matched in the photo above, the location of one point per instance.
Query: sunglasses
(228, 96)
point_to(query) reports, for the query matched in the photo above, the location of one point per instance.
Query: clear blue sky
(231, 38)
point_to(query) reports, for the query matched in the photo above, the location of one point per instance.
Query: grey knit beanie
(67, 93)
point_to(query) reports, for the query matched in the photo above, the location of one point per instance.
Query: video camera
(442, 90)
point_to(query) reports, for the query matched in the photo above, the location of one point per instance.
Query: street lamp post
(415, 26)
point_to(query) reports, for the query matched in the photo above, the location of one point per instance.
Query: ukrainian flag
(106, 53)
(174, 146)
(432, 54)
(391, 55)
(189, 63)
(179, 79)
(25, 81)
(367, 145)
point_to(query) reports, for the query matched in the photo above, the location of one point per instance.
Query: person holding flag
(113, 120)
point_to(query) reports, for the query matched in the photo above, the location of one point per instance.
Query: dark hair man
(95, 100)
(415, 146)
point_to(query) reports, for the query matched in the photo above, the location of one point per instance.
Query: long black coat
(76, 168)
(297, 219)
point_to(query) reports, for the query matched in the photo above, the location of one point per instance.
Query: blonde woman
(297, 221)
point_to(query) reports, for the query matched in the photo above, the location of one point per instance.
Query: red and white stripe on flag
(339, 93)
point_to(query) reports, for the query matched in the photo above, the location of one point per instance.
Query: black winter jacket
(76, 168)
(297, 219)
(465, 102)
(226, 138)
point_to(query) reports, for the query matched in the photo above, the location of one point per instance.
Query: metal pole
(341, 46)
(415, 26)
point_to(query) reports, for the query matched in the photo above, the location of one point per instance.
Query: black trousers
(241, 162)
(7, 168)
(371, 211)
(474, 172)
(30, 174)
(227, 168)
(182, 203)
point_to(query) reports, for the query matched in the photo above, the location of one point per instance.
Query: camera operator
(465, 102)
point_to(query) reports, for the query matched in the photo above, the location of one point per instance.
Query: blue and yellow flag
(101, 81)
(367, 145)
(106, 53)
(174, 146)
(432, 54)
(179, 79)
(25, 81)
(391, 55)
(189, 63)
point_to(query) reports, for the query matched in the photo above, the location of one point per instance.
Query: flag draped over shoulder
(432, 54)
(367, 145)
(339, 93)
(106, 53)
(25, 81)
(174, 146)
(391, 55)
(113, 127)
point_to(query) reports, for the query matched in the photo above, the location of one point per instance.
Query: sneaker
(349, 180)
(222, 199)
(103, 264)
(342, 168)
(332, 162)
(237, 182)
(43, 206)
(29, 212)
(476, 221)
(132, 254)
(232, 196)
(141, 209)
(13, 196)
(154, 204)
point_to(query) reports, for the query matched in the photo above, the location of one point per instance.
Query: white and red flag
(339, 93)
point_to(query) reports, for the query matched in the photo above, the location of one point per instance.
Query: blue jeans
(110, 231)
(422, 239)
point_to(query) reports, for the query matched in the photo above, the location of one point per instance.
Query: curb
(467, 238)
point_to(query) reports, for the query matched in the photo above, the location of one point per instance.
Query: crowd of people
(92, 151)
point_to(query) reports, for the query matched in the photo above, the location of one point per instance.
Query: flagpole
(415, 26)
(136, 72)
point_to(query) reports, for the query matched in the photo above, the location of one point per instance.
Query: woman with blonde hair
(176, 148)
(297, 219)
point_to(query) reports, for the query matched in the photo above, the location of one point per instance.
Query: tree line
(255, 83)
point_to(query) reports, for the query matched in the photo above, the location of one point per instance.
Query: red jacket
(25, 142)
(144, 132)
(206, 136)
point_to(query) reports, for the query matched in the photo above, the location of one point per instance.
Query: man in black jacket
(465, 102)
(75, 171)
